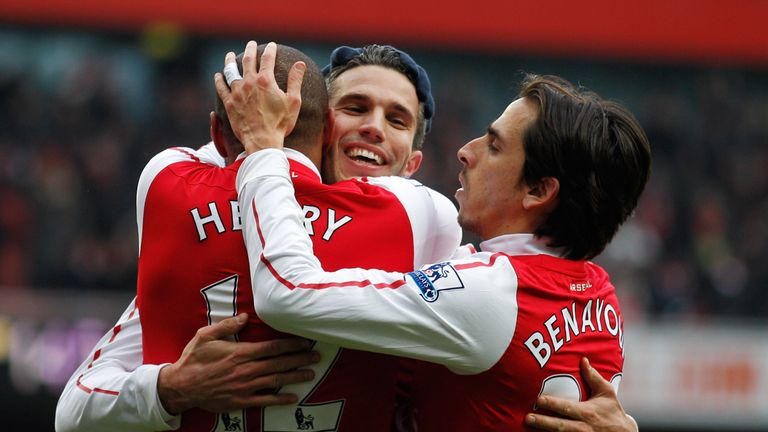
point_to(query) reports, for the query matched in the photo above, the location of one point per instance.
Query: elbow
(473, 357)
(273, 310)
(469, 364)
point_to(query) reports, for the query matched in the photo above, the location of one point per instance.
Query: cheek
(343, 125)
(498, 184)
(401, 143)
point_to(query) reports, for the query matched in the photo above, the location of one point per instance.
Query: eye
(399, 122)
(356, 109)
(492, 147)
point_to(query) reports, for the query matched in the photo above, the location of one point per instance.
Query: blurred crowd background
(82, 111)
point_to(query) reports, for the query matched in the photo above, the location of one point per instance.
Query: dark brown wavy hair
(598, 152)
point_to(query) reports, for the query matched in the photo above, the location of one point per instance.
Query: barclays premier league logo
(435, 278)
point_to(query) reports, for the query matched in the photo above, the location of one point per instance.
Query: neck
(312, 150)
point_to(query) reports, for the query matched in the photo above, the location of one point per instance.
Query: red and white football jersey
(505, 324)
(193, 270)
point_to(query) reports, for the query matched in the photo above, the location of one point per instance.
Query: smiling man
(383, 108)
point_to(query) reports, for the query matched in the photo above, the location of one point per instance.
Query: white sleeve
(112, 390)
(446, 230)
(459, 319)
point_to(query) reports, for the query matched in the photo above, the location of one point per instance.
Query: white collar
(520, 244)
(294, 155)
(301, 158)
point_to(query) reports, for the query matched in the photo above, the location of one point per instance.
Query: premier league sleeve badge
(435, 278)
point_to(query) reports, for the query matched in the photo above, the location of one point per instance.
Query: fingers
(597, 383)
(267, 65)
(287, 362)
(548, 423)
(293, 91)
(560, 406)
(295, 78)
(271, 348)
(268, 400)
(231, 73)
(222, 89)
(249, 59)
(224, 328)
(275, 381)
(230, 57)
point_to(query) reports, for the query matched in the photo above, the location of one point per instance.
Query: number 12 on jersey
(221, 302)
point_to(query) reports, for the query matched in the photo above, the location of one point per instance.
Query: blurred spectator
(78, 126)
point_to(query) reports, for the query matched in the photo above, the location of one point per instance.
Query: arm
(602, 412)
(370, 310)
(103, 395)
(112, 390)
(236, 374)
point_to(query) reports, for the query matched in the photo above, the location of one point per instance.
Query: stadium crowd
(83, 113)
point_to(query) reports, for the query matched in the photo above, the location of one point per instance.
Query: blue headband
(343, 54)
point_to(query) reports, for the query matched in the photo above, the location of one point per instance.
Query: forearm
(362, 309)
(113, 399)
(112, 390)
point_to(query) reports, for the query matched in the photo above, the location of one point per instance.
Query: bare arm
(602, 412)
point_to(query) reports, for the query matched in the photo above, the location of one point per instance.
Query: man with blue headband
(382, 109)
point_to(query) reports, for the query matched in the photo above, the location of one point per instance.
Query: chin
(464, 222)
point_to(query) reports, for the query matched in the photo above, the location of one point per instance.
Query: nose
(465, 154)
(373, 126)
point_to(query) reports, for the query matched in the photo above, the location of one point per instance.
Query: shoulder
(167, 158)
(178, 164)
(413, 193)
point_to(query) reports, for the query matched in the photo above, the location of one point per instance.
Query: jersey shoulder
(562, 276)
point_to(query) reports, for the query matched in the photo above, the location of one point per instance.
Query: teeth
(359, 152)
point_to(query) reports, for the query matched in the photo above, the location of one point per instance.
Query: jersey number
(304, 415)
(221, 302)
(567, 387)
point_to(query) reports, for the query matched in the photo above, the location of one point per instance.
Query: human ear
(413, 163)
(543, 194)
(217, 136)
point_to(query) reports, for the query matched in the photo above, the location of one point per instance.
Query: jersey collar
(295, 156)
(520, 244)
(301, 158)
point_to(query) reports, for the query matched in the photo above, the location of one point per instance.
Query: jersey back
(193, 270)
(566, 310)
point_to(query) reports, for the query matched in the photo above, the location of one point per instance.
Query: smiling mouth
(364, 156)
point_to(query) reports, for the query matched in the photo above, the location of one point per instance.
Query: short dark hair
(388, 57)
(598, 152)
(314, 96)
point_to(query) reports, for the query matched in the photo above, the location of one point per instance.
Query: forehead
(515, 119)
(381, 84)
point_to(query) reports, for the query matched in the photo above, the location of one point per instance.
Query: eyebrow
(493, 133)
(365, 98)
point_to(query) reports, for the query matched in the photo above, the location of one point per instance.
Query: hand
(260, 113)
(602, 412)
(219, 375)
